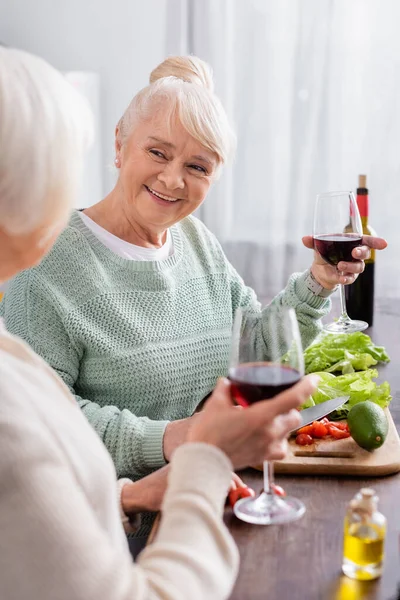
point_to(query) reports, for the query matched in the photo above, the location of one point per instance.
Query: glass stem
(268, 469)
(343, 310)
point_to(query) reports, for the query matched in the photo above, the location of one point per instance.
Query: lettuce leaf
(345, 353)
(358, 385)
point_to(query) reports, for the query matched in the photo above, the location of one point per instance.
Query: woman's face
(165, 173)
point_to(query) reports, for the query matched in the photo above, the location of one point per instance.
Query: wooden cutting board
(343, 457)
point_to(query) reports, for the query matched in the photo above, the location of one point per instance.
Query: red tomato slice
(319, 430)
(278, 490)
(303, 439)
(340, 425)
(337, 433)
(238, 493)
(306, 429)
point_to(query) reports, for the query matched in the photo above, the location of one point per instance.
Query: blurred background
(312, 88)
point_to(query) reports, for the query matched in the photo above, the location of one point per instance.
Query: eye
(198, 168)
(157, 153)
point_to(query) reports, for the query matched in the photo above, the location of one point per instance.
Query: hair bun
(188, 68)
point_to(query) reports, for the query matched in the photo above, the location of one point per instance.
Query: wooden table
(302, 560)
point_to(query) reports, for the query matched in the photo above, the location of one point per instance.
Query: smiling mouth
(169, 199)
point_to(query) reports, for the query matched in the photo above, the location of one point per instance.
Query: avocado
(368, 425)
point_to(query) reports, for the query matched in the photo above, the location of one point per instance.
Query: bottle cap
(364, 502)
(362, 181)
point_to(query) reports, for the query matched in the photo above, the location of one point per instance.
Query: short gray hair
(45, 127)
(185, 84)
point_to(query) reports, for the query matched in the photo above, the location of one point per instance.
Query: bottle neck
(363, 204)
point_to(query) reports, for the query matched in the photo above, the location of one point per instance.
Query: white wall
(120, 40)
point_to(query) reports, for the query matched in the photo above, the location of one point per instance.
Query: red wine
(252, 382)
(360, 295)
(335, 247)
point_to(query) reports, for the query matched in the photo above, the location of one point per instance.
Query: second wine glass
(337, 231)
(266, 359)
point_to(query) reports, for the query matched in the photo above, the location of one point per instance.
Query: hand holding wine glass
(344, 273)
(258, 433)
(340, 249)
(329, 277)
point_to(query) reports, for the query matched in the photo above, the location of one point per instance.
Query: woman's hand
(253, 434)
(345, 272)
(145, 494)
(175, 434)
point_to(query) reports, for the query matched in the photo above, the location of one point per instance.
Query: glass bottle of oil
(364, 537)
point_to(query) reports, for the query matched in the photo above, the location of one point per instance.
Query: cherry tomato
(303, 439)
(319, 430)
(238, 493)
(278, 490)
(324, 421)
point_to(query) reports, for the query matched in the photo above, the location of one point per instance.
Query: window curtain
(312, 88)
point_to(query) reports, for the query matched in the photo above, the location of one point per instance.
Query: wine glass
(337, 231)
(266, 359)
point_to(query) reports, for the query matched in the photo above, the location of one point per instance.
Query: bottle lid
(362, 181)
(365, 502)
(362, 196)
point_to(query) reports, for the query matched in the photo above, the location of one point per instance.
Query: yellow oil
(363, 550)
(351, 589)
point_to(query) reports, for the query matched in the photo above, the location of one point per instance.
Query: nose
(172, 176)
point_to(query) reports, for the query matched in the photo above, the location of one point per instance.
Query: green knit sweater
(140, 343)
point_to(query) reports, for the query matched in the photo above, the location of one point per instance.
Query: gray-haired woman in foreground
(60, 522)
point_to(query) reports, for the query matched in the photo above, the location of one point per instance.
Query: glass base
(362, 573)
(269, 509)
(347, 326)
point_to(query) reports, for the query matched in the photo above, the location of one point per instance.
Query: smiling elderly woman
(133, 306)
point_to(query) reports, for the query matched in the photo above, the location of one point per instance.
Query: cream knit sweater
(61, 535)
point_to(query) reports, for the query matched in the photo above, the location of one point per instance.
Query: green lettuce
(345, 353)
(359, 386)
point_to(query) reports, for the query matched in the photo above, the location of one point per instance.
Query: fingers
(347, 278)
(236, 482)
(277, 450)
(284, 402)
(221, 395)
(276, 434)
(352, 268)
(374, 242)
(361, 252)
(308, 241)
(368, 240)
(284, 424)
(348, 272)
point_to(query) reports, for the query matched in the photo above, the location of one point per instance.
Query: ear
(118, 143)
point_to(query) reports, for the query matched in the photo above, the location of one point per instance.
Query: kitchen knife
(308, 415)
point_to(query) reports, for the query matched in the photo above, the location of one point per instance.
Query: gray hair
(184, 84)
(45, 127)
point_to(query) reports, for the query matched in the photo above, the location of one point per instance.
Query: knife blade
(308, 415)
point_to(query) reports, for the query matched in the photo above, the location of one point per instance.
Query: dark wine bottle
(360, 294)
